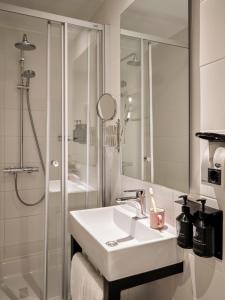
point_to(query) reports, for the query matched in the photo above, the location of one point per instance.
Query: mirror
(155, 92)
(106, 107)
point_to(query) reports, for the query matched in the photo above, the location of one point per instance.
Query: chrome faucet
(138, 201)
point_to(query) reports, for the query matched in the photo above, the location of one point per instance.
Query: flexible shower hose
(39, 154)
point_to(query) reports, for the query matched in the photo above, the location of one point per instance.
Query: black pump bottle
(203, 240)
(184, 226)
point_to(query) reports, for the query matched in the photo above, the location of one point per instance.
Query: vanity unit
(126, 251)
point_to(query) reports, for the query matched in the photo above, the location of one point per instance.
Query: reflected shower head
(134, 62)
(28, 74)
(25, 44)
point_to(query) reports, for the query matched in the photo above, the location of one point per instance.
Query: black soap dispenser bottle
(203, 240)
(185, 226)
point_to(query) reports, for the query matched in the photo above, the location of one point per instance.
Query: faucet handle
(137, 191)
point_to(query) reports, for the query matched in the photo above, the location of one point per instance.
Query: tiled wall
(21, 228)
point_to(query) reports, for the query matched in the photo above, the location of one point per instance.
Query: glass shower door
(84, 145)
(84, 185)
(74, 142)
(54, 165)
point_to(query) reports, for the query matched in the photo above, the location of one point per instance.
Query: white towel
(85, 283)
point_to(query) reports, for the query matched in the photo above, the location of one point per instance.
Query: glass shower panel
(55, 203)
(22, 100)
(83, 125)
(131, 106)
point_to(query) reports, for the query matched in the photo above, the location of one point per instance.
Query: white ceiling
(170, 8)
(80, 9)
(165, 18)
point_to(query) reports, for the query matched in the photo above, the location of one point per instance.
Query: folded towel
(85, 282)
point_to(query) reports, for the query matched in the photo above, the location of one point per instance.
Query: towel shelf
(112, 289)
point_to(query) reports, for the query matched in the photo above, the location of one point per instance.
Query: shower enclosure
(50, 145)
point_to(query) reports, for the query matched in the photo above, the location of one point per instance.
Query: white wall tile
(2, 149)
(11, 146)
(2, 119)
(23, 230)
(212, 96)
(1, 233)
(30, 150)
(12, 123)
(14, 209)
(22, 265)
(39, 118)
(211, 284)
(1, 178)
(2, 197)
(212, 23)
(25, 249)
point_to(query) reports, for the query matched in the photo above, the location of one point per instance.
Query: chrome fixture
(25, 44)
(138, 201)
(20, 170)
(134, 60)
(24, 86)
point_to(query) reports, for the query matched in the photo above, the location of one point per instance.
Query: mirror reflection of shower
(24, 89)
(132, 60)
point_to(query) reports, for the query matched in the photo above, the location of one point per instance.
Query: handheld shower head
(28, 74)
(25, 44)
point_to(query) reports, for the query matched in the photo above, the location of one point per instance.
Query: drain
(112, 243)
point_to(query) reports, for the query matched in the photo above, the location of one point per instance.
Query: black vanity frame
(112, 289)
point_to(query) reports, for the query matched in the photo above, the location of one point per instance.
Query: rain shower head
(25, 44)
(28, 74)
(134, 62)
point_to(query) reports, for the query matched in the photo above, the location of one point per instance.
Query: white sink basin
(138, 248)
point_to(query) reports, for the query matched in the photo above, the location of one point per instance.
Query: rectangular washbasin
(119, 245)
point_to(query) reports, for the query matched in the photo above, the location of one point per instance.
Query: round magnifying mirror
(106, 107)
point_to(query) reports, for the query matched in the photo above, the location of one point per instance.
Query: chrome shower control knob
(55, 163)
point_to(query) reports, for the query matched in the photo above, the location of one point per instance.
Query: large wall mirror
(155, 92)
